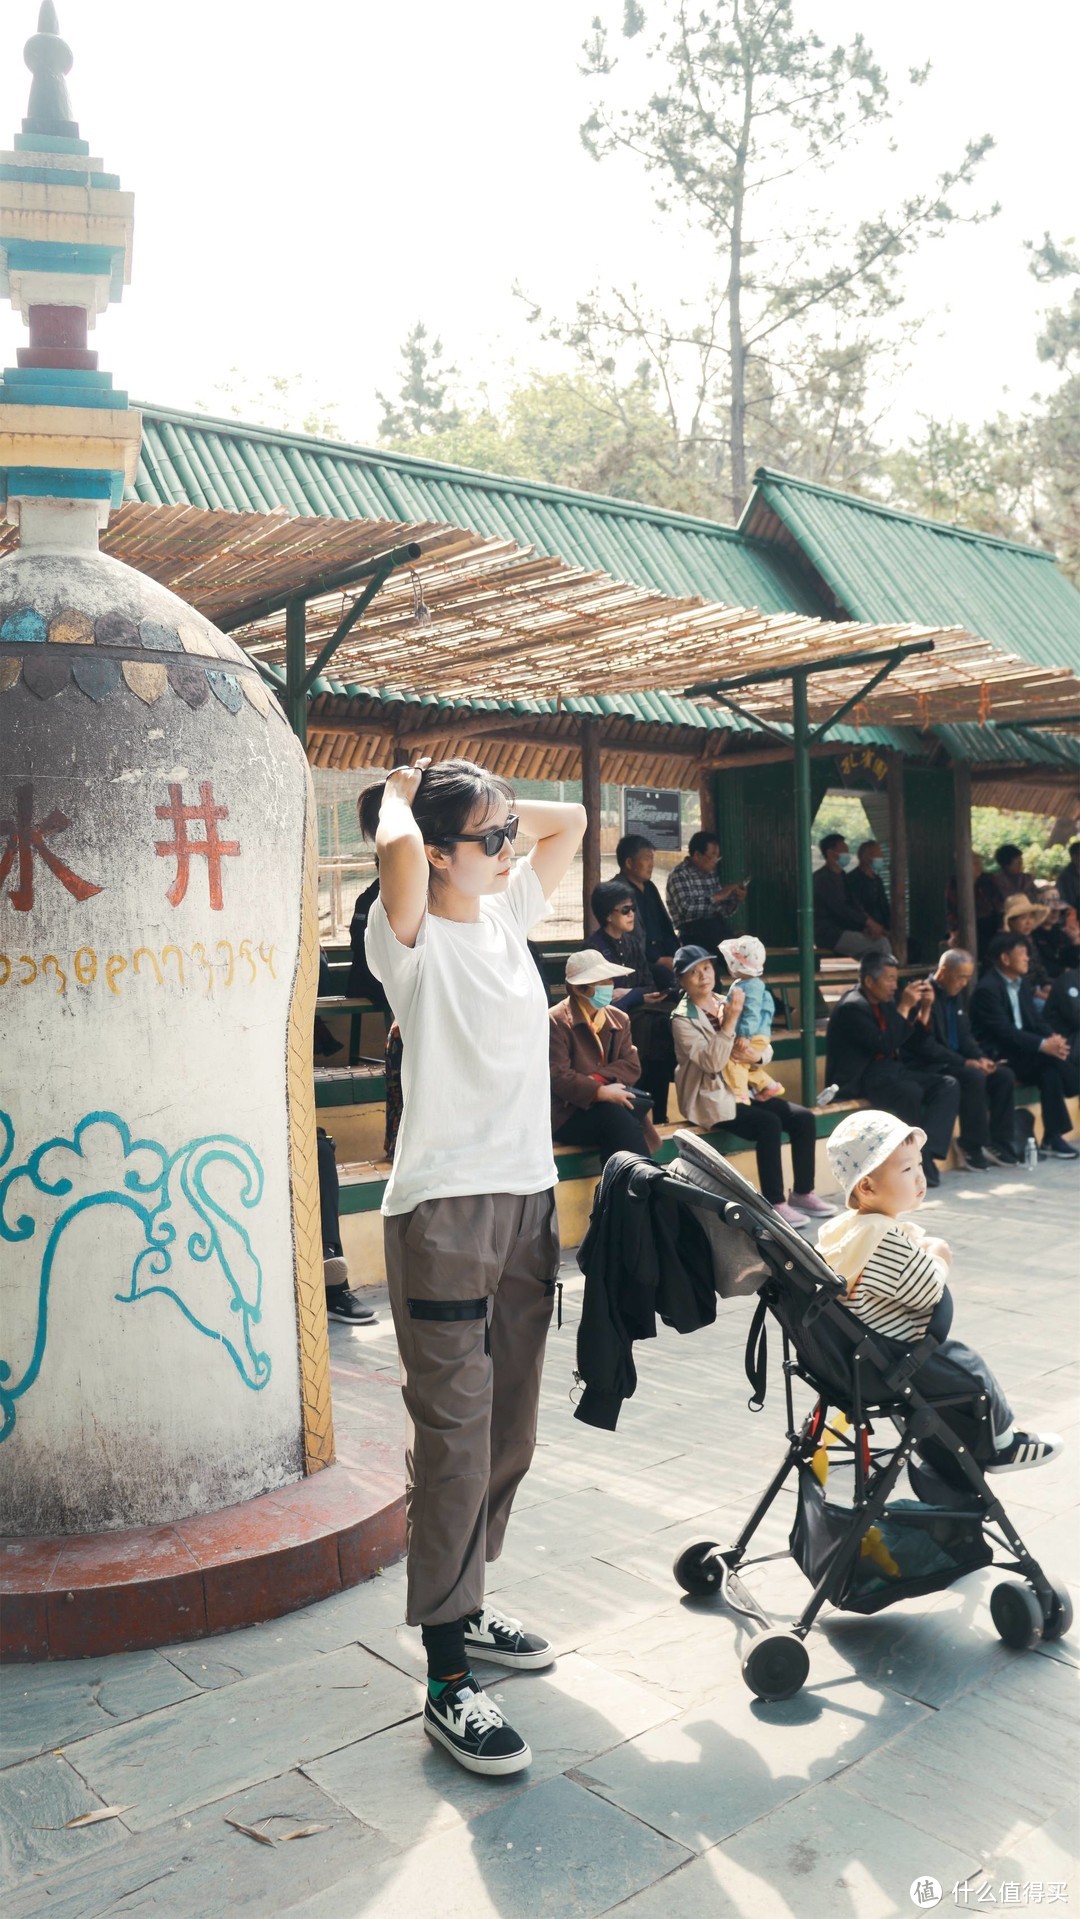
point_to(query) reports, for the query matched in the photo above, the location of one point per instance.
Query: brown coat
(575, 1052)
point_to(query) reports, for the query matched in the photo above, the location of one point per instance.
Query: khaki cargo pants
(472, 1284)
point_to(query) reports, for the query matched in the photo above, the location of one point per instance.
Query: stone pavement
(920, 1747)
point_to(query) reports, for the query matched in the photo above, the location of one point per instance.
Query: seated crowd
(643, 1010)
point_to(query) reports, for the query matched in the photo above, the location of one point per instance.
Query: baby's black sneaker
(491, 1635)
(470, 1725)
(1027, 1449)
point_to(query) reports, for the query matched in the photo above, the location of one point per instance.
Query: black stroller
(864, 1554)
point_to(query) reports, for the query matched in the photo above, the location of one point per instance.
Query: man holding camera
(879, 1048)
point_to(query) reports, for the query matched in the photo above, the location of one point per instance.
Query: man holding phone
(699, 907)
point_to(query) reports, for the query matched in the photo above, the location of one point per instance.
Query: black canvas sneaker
(470, 1725)
(491, 1635)
(1027, 1449)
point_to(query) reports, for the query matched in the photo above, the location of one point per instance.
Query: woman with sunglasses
(471, 1235)
(645, 992)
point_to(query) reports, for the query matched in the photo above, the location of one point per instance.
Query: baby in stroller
(895, 1274)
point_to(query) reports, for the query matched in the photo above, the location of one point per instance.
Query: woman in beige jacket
(703, 1028)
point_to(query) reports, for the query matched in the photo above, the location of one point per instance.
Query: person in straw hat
(1022, 915)
(594, 1064)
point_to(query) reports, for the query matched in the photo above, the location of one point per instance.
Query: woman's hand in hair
(403, 783)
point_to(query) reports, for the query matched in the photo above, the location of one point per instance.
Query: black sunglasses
(492, 841)
(628, 908)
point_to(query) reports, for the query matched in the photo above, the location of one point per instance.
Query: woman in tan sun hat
(594, 1064)
(1021, 915)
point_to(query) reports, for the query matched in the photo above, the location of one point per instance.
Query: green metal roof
(193, 459)
(883, 565)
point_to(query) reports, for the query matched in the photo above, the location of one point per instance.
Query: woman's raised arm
(403, 863)
(558, 827)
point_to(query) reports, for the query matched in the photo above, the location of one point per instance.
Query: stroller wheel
(696, 1571)
(1061, 1615)
(1017, 1615)
(776, 1665)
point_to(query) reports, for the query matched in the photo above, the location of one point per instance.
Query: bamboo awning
(488, 617)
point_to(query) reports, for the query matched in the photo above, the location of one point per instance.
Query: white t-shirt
(474, 1029)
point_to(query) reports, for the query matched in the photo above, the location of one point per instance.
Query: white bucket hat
(589, 967)
(744, 955)
(863, 1141)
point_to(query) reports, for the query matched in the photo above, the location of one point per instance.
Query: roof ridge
(764, 474)
(510, 482)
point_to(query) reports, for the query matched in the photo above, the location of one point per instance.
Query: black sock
(445, 1649)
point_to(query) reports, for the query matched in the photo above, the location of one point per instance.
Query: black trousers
(1056, 1080)
(328, 1195)
(650, 1030)
(765, 1122)
(607, 1127)
(917, 1094)
(986, 1106)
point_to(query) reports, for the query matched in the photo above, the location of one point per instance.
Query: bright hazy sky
(311, 180)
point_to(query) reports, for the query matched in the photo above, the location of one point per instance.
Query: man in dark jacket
(1062, 1008)
(636, 856)
(1009, 1022)
(866, 886)
(987, 1114)
(841, 925)
(879, 1048)
(362, 981)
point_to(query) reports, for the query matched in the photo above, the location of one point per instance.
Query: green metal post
(295, 668)
(800, 717)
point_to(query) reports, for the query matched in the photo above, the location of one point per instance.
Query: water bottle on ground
(1031, 1154)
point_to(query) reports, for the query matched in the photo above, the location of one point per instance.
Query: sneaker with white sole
(471, 1727)
(1027, 1449)
(791, 1213)
(812, 1205)
(491, 1635)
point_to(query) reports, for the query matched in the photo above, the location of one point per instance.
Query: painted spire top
(49, 58)
(67, 435)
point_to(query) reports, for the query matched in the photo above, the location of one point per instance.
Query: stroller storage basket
(912, 1549)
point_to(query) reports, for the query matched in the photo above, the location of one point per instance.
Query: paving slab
(202, 1868)
(225, 1740)
(48, 1705)
(998, 1762)
(821, 1855)
(36, 1801)
(556, 1852)
(731, 1759)
(401, 1783)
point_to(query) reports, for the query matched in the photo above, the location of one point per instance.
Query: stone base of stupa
(86, 1595)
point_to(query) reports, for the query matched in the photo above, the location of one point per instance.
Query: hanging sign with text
(656, 813)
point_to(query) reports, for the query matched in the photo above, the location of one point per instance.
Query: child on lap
(895, 1273)
(745, 960)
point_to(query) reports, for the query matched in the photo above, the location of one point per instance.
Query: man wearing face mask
(841, 923)
(594, 1064)
(866, 886)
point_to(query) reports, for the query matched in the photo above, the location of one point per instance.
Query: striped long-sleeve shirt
(898, 1287)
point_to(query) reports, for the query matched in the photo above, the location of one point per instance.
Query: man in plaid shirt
(699, 908)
